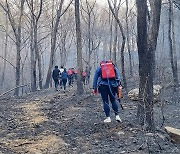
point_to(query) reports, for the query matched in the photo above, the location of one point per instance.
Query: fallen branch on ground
(14, 89)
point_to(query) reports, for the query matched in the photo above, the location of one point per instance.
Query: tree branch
(8, 62)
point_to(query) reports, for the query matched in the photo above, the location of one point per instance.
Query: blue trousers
(64, 81)
(108, 94)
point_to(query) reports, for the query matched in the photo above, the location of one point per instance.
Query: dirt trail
(58, 122)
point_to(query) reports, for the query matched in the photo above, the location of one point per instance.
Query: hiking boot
(107, 120)
(118, 119)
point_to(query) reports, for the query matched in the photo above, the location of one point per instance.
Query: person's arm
(96, 76)
(117, 76)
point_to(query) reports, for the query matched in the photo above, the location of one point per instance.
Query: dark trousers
(84, 80)
(64, 81)
(56, 82)
(107, 94)
(70, 80)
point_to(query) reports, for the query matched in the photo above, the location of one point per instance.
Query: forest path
(59, 122)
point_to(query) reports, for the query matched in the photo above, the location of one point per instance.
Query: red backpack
(75, 71)
(107, 70)
(70, 72)
(84, 74)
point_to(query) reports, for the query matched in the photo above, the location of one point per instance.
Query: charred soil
(60, 122)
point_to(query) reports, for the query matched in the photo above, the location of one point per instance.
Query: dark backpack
(107, 70)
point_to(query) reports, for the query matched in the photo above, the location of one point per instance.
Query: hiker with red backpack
(75, 73)
(88, 72)
(70, 75)
(83, 74)
(106, 82)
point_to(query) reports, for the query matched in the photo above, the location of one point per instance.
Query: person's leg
(84, 80)
(64, 83)
(56, 83)
(88, 79)
(69, 80)
(104, 94)
(61, 83)
(72, 78)
(112, 95)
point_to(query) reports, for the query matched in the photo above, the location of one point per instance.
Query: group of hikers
(62, 76)
(106, 81)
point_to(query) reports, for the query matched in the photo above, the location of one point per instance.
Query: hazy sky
(104, 2)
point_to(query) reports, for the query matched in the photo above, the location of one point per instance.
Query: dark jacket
(56, 73)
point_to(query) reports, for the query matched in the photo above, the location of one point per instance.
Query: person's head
(105, 61)
(64, 69)
(61, 66)
(56, 66)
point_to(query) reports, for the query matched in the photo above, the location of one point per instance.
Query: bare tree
(17, 27)
(35, 54)
(116, 11)
(123, 41)
(55, 25)
(89, 20)
(80, 89)
(66, 36)
(128, 39)
(5, 51)
(172, 45)
(146, 48)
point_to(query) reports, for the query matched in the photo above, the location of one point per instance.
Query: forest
(141, 37)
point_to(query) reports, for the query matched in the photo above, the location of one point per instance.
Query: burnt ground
(59, 122)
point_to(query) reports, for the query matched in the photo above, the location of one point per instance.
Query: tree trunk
(128, 42)
(38, 56)
(89, 38)
(18, 65)
(110, 28)
(53, 45)
(80, 89)
(115, 40)
(18, 47)
(35, 55)
(5, 53)
(146, 48)
(122, 45)
(142, 50)
(154, 28)
(171, 37)
(33, 61)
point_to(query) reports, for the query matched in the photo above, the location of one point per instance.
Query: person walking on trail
(75, 73)
(106, 81)
(64, 77)
(55, 76)
(87, 70)
(61, 70)
(70, 73)
(83, 75)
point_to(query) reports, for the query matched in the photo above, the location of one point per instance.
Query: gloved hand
(95, 92)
